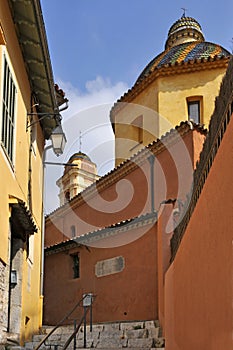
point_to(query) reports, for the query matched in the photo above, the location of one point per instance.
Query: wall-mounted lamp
(57, 136)
(13, 278)
(58, 139)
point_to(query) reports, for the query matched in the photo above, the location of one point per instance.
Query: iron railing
(86, 303)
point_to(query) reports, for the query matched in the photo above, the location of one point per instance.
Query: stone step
(132, 335)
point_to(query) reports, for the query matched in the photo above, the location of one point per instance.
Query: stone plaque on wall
(109, 266)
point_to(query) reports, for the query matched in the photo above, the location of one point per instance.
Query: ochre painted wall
(175, 89)
(14, 178)
(198, 299)
(163, 105)
(145, 104)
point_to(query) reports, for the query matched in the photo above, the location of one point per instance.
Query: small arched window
(73, 231)
(67, 196)
(138, 125)
(195, 108)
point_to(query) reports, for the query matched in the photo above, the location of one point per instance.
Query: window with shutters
(8, 112)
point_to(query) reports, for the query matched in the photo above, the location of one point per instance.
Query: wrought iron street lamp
(57, 136)
(58, 139)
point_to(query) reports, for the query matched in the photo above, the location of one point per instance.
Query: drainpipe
(151, 160)
(43, 223)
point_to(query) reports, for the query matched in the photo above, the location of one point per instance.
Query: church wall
(128, 196)
(163, 104)
(175, 89)
(103, 208)
(126, 138)
(116, 300)
(198, 286)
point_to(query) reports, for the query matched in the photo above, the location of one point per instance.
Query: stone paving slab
(95, 328)
(60, 330)
(110, 343)
(136, 333)
(111, 327)
(112, 335)
(37, 338)
(150, 324)
(153, 332)
(92, 335)
(140, 343)
(29, 345)
(89, 343)
(132, 325)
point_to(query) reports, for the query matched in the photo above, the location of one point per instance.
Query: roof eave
(30, 30)
(127, 166)
(166, 70)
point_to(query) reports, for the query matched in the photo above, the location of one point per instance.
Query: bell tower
(76, 177)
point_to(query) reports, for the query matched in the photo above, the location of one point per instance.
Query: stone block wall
(4, 273)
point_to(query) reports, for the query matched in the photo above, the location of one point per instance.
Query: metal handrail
(83, 319)
(61, 322)
(69, 340)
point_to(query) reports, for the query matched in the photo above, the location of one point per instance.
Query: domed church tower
(80, 174)
(186, 29)
(179, 84)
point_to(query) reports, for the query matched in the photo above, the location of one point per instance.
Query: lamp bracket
(43, 115)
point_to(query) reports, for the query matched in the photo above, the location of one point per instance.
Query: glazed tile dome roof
(185, 42)
(185, 22)
(183, 53)
(79, 155)
(185, 27)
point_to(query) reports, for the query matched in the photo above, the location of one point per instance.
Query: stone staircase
(120, 335)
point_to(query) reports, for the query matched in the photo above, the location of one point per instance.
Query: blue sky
(98, 49)
(116, 39)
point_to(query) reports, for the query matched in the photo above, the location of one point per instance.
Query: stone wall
(4, 273)
(16, 290)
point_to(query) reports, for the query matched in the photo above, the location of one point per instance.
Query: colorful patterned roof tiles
(183, 53)
(79, 155)
(185, 22)
(185, 28)
(185, 42)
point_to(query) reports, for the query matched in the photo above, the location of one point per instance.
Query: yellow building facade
(179, 84)
(29, 112)
(80, 172)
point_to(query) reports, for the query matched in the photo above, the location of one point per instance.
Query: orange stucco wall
(113, 203)
(126, 295)
(198, 298)
(116, 299)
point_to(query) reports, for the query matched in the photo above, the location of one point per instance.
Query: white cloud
(98, 91)
(88, 112)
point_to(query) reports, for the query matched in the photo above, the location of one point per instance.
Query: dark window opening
(76, 266)
(194, 111)
(138, 124)
(67, 196)
(73, 231)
